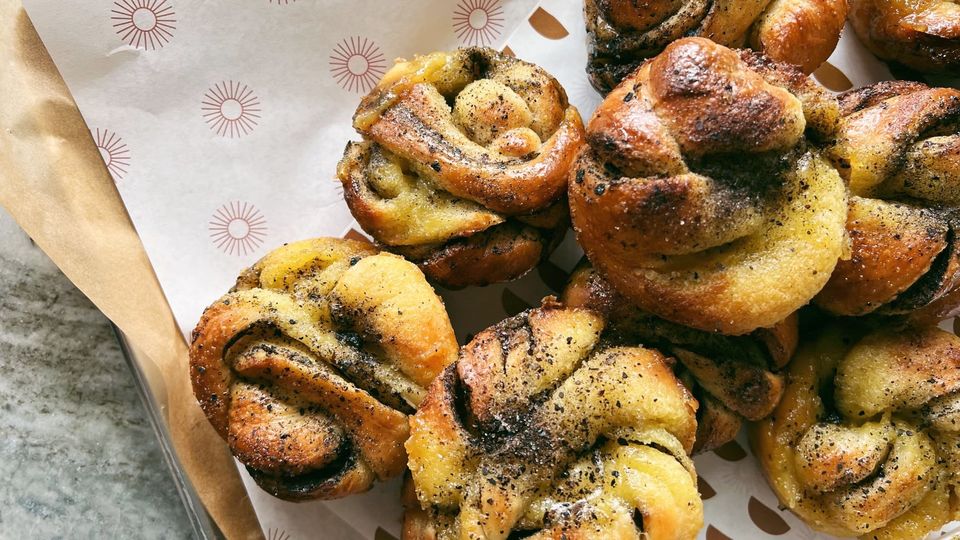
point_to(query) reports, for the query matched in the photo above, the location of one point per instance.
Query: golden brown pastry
(920, 34)
(309, 367)
(732, 377)
(867, 438)
(540, 431)
(464, 164)
(700, 195)
(624, 33)
(899, 148)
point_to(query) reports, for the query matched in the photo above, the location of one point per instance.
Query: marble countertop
(78, 456)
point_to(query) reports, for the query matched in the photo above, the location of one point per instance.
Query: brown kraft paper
(54, 183)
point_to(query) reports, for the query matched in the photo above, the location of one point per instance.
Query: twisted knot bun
(921, 34)
(472, 192)
(866, 440)
(624, 33)
(732, 377)
(699, 196)
(899, 148)
(541, 431)
(309, 367)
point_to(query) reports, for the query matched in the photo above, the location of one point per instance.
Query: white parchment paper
(222, 122)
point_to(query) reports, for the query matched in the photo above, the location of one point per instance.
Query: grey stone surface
(78, 457)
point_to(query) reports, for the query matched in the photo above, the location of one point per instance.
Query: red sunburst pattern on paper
(144, 24)
(357, 64)
(237, 228)
(115, 154)
(231, 109)
(478, 22)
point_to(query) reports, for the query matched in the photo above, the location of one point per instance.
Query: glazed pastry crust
(541, 430)
(899, 148)
(799, 32)
(310, 365)
(733, 377)
(464, 164)
(865, 440)
(699, 195)
(624, 33)
(921, 34)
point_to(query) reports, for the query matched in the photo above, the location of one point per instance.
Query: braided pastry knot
(542, 432)
(899, 147)
(623, 33)
(474, 192)
(922, 34)
(867, 438)
(732, 377)
(698, 195)
(310, 365)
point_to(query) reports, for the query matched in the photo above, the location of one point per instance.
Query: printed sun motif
(115, 154)
(583, 95)
(357, 64)
(478, 22)
(231, 109)
(278, 534)
(237, 228)
(144, 24)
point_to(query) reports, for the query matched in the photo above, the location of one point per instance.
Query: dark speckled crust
(464, 164)
(899, 147)
(309, 367)
(701, 195)
(923, 35)
(500, 253)
(624, 33)
(733, 377)
(866, 441)
(535, 425)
